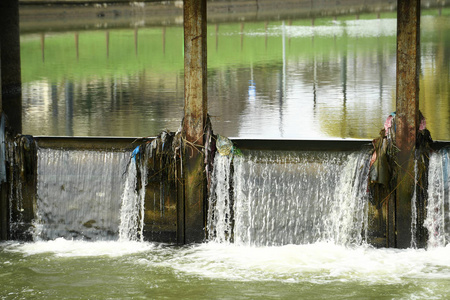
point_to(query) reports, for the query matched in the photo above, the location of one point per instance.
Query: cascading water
(219, 209)
(414, 209)
(79, 194)
(438, 202)
(132, 210)
(102, 195)
(289, 198)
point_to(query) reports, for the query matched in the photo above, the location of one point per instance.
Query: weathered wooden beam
(195, 114)
(10, 64)
(407, 118)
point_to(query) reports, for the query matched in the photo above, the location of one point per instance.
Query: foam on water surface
(61, 247)
(318, 263)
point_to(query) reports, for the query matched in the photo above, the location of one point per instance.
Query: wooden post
(10, 64)
(407, 119)
(195, 114)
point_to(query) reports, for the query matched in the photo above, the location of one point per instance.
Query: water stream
(289, 198)
(79, 194)
(131, 226)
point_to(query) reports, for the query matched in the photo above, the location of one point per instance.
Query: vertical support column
(195, 114)
(3, 186)
(10, 88)
(3, 189)
(10, 64)
(407, 119)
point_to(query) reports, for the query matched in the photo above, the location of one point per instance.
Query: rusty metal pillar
(195, 114)
(407, 119)
(10, 64)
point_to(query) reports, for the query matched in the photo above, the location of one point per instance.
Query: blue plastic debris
(134, 153)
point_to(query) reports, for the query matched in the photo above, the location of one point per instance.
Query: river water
(117, 270)
(318, 78)
(331, 77)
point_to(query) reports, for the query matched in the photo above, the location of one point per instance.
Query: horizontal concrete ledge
(306, 145)
(83, 2)
(129, 143)
(90, 143)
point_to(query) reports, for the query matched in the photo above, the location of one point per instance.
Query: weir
(257, 197)
(301, 193)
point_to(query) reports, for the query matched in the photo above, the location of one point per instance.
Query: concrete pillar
(1, 102)
(407, 119)
(10, 64)
(195, 114)
(3, 189)
(10, 88)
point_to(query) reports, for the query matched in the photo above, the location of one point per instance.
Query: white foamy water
(319, 262)
(112, 269)
(289, 198)
(61, 247)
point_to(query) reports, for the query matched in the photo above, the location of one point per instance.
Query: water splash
(283, 198)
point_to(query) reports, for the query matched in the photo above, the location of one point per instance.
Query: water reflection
(315, 78)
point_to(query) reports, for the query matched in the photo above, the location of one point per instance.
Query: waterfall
(414, 208)
(279, 198)
(438, 213)
(219, 209)
(132, 210)
(78, 194)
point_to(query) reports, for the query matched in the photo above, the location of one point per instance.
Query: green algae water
(118, 270)
(298, 78)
